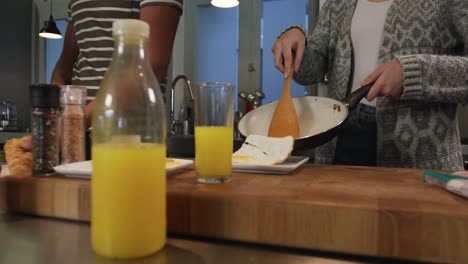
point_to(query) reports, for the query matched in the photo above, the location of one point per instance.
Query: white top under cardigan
(366, 34)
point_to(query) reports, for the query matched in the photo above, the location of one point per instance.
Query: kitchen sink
(183, 146)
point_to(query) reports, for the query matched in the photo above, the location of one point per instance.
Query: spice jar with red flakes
(72, 102)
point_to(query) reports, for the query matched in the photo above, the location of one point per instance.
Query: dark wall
(15, 56)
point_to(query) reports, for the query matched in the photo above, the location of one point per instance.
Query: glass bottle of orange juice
(128, 183)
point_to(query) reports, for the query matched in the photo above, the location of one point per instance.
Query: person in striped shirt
(88, 44)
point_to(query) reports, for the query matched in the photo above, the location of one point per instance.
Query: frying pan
(320, 118)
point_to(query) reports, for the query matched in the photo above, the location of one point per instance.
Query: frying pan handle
(353, 99)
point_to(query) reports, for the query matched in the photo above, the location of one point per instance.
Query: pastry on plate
(18, 160)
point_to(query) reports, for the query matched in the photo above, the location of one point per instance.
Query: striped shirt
(92, 21)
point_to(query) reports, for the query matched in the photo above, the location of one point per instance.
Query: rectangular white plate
(286, 167)
(84, 169)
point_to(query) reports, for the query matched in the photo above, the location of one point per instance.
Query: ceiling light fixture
(225, 3)
(50, 29)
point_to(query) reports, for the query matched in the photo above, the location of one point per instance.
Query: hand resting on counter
(26, 143)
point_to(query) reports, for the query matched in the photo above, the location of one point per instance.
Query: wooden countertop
(37, 240)
(384, 212)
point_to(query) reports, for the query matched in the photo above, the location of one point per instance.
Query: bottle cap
(130, 27)
(72, 95)
(45, 95)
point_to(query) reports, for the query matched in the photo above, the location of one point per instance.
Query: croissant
(18, 160)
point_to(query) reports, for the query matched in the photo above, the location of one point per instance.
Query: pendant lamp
(225, 3)
(50, 29)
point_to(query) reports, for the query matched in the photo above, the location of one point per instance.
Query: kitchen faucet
(184, 125)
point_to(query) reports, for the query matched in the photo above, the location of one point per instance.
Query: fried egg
(171, 163)
(264, 150)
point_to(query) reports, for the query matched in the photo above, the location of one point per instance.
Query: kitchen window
(248, 61)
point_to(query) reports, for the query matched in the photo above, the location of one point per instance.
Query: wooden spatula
(284, 121)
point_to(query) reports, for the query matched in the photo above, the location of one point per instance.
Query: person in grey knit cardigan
(420, 75)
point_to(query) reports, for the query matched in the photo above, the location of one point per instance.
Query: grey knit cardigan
(430, 39)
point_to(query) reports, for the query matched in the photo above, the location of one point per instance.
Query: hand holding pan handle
(353, 99)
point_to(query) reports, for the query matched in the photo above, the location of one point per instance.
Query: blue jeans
(357, 140)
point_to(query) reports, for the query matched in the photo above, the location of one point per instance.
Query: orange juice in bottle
(128, 198)
(128, 212)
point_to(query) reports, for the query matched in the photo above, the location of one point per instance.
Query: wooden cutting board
(361, 210)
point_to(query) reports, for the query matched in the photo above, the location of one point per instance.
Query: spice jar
(44, 115)
(73, 101)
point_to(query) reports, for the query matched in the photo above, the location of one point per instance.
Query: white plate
(286, 167)
(5, 171)
(84, 169)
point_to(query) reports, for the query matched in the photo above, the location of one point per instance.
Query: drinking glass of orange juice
(214, 119)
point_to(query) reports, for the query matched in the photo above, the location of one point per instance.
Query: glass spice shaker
(44, 116)
(73, 101)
